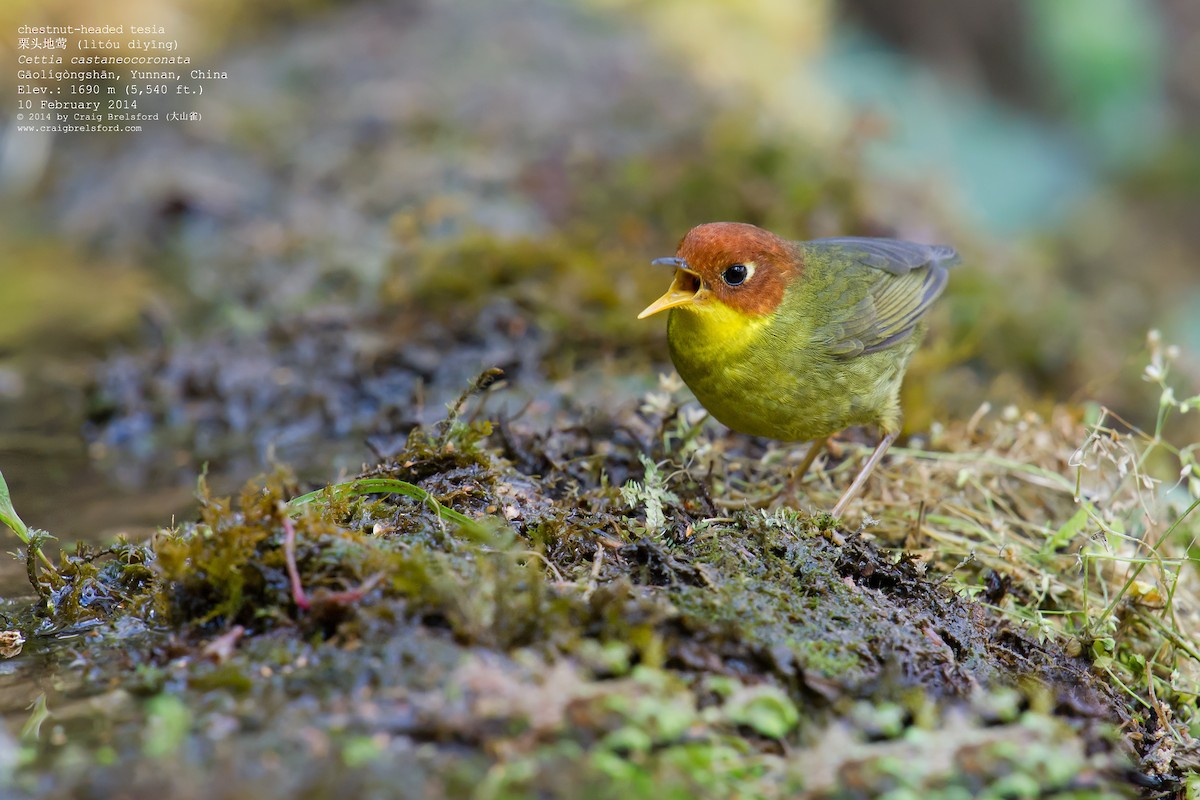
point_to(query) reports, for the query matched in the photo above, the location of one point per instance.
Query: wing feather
(902, 279)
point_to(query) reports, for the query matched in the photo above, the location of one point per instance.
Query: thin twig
(289, 556)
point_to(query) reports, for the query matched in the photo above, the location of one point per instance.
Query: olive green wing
(876, 290)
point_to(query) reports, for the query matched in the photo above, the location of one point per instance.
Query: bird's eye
(735, 274)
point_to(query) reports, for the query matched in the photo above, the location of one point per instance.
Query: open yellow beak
(683, 289)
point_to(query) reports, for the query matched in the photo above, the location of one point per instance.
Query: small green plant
(30, 537)
(1111, 569)
(8, 514)
(453, 431)
(1132, 525)
(650, 495)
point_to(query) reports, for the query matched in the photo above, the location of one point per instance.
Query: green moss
(227, 568)
(525, 628)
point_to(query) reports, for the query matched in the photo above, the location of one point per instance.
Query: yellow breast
(766, 378)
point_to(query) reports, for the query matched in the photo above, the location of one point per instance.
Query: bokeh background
(386, 197)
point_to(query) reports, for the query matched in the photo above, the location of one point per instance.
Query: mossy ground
(599, 627)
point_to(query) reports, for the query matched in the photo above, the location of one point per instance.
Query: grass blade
(8, 514)
(365, 486)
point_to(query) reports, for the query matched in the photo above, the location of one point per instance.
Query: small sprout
(826, 521)
(1102, 651)
(652, 496)
(451, 429)
(8, 514)
(32, 538)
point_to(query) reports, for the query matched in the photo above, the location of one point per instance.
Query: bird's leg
(792, 487)
(863, 473)
(813, 451)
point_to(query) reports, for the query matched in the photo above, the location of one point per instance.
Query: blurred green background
(385, 198)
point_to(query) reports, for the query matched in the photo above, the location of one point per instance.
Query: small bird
(799, 340)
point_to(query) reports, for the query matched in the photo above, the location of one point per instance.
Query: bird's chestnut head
(742, 266)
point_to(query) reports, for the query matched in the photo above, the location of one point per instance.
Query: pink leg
(863, 473)
(809, 458)
(792, 487)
